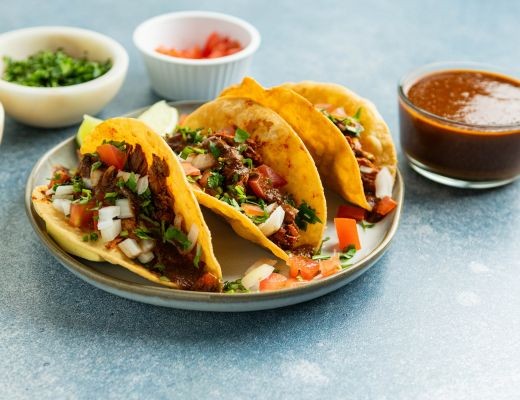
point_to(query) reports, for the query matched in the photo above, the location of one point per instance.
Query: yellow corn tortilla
(131, 131)
(376, 137)
(332, 154)
(281, 149)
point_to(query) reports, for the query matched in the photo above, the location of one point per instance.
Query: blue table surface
(437, 318)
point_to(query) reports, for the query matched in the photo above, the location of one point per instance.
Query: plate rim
(127, 289)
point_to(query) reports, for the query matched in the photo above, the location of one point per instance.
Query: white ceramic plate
(234, 253)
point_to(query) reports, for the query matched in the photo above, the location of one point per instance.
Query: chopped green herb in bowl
(53, 69)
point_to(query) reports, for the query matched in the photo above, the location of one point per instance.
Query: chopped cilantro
(196, 259)
(346, 255)
(142, 232)
(215, 180)
(234, 287)
(85, 238)
(86, 196)
(366, 225)
(189, 135)
(248, 162)
(173, 234)
(110, 195)
(94, 236)
(120, 145)
(189, 150)
(241, 135)
(131, 182)
(95, 166)
(306, 215)
(214, 150)
(123, 233)
(77, 184)
(318, 252)
(120, 183)
(357, 115)
(241, 148)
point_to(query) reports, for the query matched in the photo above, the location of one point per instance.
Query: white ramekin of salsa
(193, 55)
(460, 124)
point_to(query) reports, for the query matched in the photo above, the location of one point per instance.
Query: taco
(128, 203)
(247, 164)
(345, 134)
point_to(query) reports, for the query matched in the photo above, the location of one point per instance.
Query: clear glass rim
(414, 75)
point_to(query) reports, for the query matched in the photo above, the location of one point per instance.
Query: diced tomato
(384, 206)
(274, 281)
(189, 169)
(216, 46)
(211, 42)
(269, 173)
(348, 211)
(347, 232)
(306, 267)
(330, 266)
(293, 282)
(61, 175)
(111, 155)
(203, 181)
(82, 215)
(259, 185)
(252, 210)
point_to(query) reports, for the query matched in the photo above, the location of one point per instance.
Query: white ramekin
(60, 106)
(188, 79)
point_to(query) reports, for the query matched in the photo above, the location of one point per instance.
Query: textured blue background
(438, 317)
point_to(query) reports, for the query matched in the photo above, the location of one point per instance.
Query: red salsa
(463, 124)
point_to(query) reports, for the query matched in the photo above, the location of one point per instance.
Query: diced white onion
(177, 222)
(259, 262)
(142, 184)
(193, 235)
(49, 192)
(252, 279)
(125, 208)
(366, 170)
(145, 257)
(87, 182)
(108, 213)
(147, 244)
(62, 205)
(64, 190)
(273, 223)
(111, 230)
(384, 183)
(270, 208)
(95, 176)
(203, 161)
(130, 248)
(105, 224)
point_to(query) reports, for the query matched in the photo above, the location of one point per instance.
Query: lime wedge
(161, 117)
(86, 127)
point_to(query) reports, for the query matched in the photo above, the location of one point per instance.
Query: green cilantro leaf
(241, 135)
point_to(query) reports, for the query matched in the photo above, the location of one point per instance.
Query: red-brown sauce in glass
(467, 125)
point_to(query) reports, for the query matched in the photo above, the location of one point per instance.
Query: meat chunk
(136, 161)
(162, 198)
(85, 165)
(108, 182)
(286, 237)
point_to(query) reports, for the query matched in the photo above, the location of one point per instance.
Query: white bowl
(60, 106)
(188, 79)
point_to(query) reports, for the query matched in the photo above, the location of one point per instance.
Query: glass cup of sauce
(460, 124)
